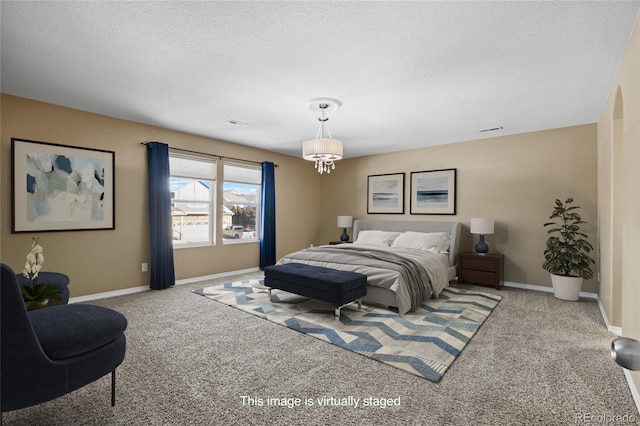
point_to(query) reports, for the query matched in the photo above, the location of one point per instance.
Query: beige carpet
(535, 360)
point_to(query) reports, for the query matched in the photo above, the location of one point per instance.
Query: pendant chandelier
(323, 150)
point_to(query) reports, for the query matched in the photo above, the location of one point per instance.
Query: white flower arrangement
(35, 259)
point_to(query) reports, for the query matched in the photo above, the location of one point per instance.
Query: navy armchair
(49, 352)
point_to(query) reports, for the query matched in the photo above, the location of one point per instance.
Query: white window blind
(193, 167)
(242, 173)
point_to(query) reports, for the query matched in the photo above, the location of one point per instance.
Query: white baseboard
(614, 329)
(144, 288)
(632, 387)
(545, 289)
(106, 294)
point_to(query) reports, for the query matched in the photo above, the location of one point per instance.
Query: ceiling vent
(491, 129)
(237, 123)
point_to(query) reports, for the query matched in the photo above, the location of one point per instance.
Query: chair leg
(113, 388)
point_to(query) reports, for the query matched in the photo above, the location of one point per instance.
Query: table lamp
(482, 226)
(345, 222)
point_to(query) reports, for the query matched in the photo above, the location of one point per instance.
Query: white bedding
(427, 272)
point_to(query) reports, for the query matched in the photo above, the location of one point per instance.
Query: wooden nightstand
(484, 270)
(334, 243)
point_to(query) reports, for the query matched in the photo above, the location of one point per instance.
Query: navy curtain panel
(268, 218)
(162, 270)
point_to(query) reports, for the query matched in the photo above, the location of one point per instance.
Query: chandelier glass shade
(323, 150)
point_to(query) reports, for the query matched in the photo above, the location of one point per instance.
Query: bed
(406, 262)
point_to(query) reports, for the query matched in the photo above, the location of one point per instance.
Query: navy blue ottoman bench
(316, 282)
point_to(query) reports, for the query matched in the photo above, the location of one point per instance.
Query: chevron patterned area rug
(424, 342)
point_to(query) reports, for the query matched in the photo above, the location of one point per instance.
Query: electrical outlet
(145, 267)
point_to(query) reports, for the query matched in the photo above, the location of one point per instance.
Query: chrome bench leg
(337, 311)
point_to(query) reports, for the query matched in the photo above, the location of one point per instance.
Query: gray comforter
(413, 275)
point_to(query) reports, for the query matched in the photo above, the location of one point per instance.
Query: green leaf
(38, 293)
(567, 247)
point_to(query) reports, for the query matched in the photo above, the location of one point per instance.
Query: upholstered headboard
(414, 225)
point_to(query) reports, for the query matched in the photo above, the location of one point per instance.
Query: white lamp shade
(482, 226)
(325, 149)
(345, 221)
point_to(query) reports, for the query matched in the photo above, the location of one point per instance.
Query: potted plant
(39, 295)
(566, 255)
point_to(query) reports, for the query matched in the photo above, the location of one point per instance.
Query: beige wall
(513, 179)
(619, 197)
(100, 261)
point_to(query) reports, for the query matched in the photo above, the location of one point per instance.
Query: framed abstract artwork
(433, 192)
(61, 188)
(385, 193)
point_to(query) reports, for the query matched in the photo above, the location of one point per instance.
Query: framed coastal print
(61, 188)
(385, 193)
(433, 192)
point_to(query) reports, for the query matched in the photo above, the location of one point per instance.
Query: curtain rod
(210, 155)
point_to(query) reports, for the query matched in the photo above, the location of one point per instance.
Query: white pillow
(377, 238)
(435, 242)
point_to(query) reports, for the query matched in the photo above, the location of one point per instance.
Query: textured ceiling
(408, 74)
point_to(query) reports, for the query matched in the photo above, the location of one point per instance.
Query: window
(240, 211)
(192, 199)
